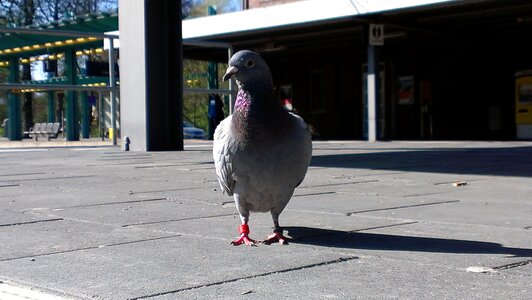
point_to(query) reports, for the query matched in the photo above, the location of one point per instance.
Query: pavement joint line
(114, 203)
(192, 169)
(9, 185)
(426, 194)
(23, 174)
(31, 222)
(513, 265)
(383, 226)
(115, 158)
(121, 164)
(168, 190)
(50, 178)
(91, 248)
(330, 213)
(178, 220)
(401, 207)
(304, 267)
(451, 182)
(174, 165)
(313, 194)
(337, 184)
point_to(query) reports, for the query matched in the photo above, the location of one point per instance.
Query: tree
(37, 12)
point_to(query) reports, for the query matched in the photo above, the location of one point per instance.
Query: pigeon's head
(248, 68)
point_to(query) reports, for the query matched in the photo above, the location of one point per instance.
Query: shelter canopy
(77, 32)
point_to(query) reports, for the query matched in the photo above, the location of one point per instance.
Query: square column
(151, 108)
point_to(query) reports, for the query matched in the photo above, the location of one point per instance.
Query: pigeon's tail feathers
(222, 160)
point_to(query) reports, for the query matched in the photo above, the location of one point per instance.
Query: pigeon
(261, 152)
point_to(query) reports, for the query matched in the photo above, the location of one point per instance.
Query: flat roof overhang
(433, 22)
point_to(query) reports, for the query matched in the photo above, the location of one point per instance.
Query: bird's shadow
(376, 241)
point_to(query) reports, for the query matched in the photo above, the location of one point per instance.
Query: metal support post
(72, 126)
(101, 118)
(112, 84)
(373, 85)
(51, 106)
(85, 123)
(14, 110)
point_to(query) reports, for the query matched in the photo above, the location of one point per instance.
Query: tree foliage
(36, 12)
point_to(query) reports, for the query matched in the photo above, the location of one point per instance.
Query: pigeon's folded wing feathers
(223, 159)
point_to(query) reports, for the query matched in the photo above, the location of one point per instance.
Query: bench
(48, 130)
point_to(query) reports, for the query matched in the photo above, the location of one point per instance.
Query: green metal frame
(51, 107)
(72, 127)
(14, 107)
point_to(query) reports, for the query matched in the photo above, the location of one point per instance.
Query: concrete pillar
(151, 108)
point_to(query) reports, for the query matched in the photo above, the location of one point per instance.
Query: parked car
(191, 132)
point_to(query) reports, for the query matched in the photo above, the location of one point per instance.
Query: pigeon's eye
(250, 63)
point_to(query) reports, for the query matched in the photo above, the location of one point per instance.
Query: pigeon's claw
(244, 237)
(276, 237)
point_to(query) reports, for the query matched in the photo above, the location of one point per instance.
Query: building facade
(447, 68)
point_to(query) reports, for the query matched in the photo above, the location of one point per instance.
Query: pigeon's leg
(277, 236)
(244, 234)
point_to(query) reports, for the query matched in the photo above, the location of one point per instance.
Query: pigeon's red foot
(244, 238)
(276, 237)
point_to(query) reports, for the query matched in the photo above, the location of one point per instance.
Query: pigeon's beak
(231, 71)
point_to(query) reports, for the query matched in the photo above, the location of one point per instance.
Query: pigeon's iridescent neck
(243, 102)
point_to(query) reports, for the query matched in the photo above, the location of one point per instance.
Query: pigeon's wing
(222, 153)
(305, 142)
(303, 149)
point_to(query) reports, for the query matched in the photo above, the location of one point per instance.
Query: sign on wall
(376, 34)
(405, 90)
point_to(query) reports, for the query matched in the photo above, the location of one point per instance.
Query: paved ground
(370, 221)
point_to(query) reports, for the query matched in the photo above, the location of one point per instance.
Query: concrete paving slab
(369, 278)
(135, 212)
(32, 240)
(16, 218)
(463, 211)
(154, 267)
(379, 221)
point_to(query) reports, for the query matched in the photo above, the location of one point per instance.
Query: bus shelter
(67, 59)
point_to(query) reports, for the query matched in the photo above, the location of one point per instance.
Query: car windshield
(187, 124)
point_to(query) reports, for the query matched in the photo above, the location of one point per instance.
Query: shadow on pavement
(374, 241)
(516, 161)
